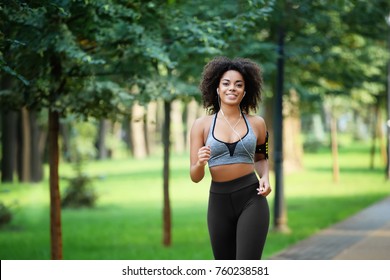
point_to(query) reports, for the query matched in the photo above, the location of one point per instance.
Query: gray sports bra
(223, 153)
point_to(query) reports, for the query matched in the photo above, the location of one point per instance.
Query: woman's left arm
(261, 157)
(262, 169)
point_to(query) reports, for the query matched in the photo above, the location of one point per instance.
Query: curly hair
(213, 72)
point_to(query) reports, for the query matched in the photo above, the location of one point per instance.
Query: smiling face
(231, 87)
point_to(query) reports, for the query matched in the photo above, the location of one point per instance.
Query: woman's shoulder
(259, 127)
(203, 122)
(256, 120)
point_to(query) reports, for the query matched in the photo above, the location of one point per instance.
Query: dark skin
(231, 91)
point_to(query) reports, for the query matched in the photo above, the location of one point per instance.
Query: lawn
(127, 221)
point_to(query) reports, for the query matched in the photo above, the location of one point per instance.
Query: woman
(234, 144)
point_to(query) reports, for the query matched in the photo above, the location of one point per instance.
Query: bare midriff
(228, 172)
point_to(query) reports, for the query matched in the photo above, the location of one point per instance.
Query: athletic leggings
(238, 219)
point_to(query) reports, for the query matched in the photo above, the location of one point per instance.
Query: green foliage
(126, 223)
(82, 137)
(79, 192)
(59, 49)
(336, 48)
(5, 214)
(84, 57)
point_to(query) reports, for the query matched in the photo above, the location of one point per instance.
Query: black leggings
(238, 219)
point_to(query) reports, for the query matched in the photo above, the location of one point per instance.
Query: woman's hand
(204, 155)
(264, 187)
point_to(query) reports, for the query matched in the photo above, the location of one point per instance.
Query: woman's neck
(230, 111)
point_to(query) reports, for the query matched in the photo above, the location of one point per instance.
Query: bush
(79, 193)
(5, 214)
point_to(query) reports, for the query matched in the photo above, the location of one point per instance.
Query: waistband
(234, 185)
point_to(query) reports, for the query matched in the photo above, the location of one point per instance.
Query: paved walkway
(364, 236)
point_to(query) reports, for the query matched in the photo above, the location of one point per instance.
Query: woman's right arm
(199, 154)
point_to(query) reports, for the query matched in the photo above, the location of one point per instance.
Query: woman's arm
(262, 169)
(199, 154)
(261, 160)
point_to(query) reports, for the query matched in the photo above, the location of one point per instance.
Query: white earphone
(233, 128)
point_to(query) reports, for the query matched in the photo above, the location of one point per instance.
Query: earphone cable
(233, 129)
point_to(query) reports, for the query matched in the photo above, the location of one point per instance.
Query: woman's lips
(231, 96)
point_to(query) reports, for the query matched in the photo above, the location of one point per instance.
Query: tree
(56, 47)
(334, 53)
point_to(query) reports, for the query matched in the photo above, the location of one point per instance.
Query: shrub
(5, 214)
(79, 192)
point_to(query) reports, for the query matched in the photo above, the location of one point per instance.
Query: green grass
(127, 221)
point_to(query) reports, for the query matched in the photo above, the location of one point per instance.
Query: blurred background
(97, 99)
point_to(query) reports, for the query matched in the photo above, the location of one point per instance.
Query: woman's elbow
(195, 179)
(195, 176)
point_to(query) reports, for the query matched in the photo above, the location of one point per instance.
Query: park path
(363, 236)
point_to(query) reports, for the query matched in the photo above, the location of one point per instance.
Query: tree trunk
(137, 131)
(36, 151)
(334, 143)
(292, 144)
(167, 240)
(177, 127)
(160, 118)
(65, 134)
(268, 115)
(387, 174)
(382, 139)
(128, 134)
(116, 134)
(101, 141)
(24, 156)
(374, 134)
(8, 140)
(280, 210)
(43, 144)
(55, 201)
(192, 114)
(151, 129)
